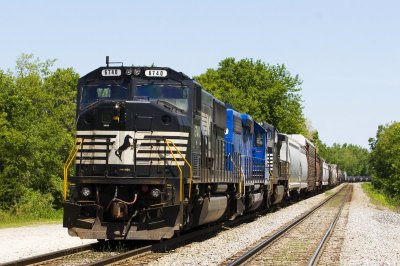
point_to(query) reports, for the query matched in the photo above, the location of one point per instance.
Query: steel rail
(315, 256)
(160, 246)
(122, 256)
(175, 242)
(52, 255)
(242, 259)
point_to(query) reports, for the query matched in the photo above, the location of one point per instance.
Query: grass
(334, 202)
(8, 220)
(381, 199)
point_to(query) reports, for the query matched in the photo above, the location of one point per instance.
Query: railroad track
(80, 255)
(130, 252)
(121, 253)
(150, 253)
(301, 241)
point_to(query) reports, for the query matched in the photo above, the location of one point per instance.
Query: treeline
(385, 160)
(37, 111)
(269, 93)
(351, 158)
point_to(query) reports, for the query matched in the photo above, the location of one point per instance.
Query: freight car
(333, 175)
(345, 177)
(293, 155)
(311, 154)
(325, 173)
(156, 154)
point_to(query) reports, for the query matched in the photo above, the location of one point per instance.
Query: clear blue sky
(346, 52)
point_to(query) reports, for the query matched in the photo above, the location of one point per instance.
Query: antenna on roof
(108, 62)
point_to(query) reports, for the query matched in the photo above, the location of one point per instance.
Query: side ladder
(68, 162)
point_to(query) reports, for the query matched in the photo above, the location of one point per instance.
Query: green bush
(385, 159)
(37, 114)
(32, 207)
(379, 197)
(35, 205)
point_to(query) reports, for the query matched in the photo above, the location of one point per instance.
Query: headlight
(155, 193)
(136, 72)
(129, 71)
(85, 191)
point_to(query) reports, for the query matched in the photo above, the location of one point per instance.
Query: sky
(347, 53)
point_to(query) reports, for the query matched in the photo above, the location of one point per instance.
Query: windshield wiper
(170, 105)
(84, 109)
(93, 104)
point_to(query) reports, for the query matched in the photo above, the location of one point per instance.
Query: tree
(385, 159)
(350, 158)
(37, 111)
(269, 93)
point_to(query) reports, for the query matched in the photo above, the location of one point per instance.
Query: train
(156, 155)
(354, 179)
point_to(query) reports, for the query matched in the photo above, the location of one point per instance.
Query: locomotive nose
(123, 138)
(133, 116)
(151, 116)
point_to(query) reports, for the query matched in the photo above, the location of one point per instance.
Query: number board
(159, 73)
(111, 72)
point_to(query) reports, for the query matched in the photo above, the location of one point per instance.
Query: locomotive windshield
(104, 90)
(176, 95)
(173, 94)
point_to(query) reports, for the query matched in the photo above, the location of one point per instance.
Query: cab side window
(259, 140)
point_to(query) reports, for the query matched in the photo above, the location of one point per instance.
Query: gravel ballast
(372, 235)
(216, 250)
(28, 241)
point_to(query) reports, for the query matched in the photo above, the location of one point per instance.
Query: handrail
(180, 171)
(190, 167)
(271, 180)
(241, 174)
(68, 162)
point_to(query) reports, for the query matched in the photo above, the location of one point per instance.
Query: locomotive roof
(143, 72)
(301, 139)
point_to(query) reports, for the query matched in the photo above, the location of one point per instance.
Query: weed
(378, 197)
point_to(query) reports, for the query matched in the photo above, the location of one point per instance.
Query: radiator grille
(196, 165)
